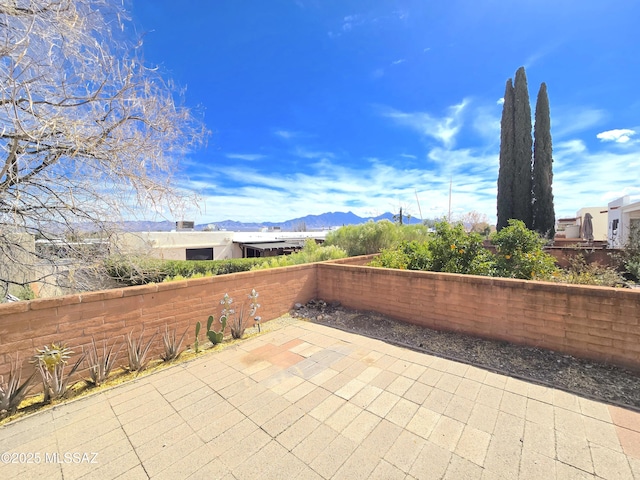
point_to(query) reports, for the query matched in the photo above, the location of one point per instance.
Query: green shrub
(581, 273)
(143, 270)
(629, 257)
(311, 252)
(519, 253)
(449, 249)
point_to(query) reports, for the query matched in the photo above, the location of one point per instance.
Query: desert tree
(89, 134)
(543, 210)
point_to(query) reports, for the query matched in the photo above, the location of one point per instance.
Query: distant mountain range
(309, 222)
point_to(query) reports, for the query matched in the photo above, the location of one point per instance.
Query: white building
(623, 214)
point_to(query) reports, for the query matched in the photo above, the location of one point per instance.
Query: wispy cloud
(312, 154)
(570, 120)
(399, 61)
(249, 157)
(443, 129)
(286, 134)
(619, 135)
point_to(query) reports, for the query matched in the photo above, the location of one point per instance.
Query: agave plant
(51, 362)
(137, 351)
(171, 344)
(100, 366)
(13, 392)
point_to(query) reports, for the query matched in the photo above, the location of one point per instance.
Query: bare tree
(88, 133)
(475, 222)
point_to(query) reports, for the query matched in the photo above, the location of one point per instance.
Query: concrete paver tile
(384, 379)
(414, 371)
(495, 380)
(214, 423)
(405, 450)
(400, 385)
(476, 374)
(459, 408)
(503, 457)
(431, 463)
(448, 382)
(569, 472)
(164, 442)
(574, 450)
(383, 403)
(593, 409)
(446, 433)
(314, 443)
(287, 467)
(350, 389)
(457, 368)
(540, 393)
(370, 373)
(568, 421)
(282, 421)
(213, 469)
(565, 400)
(361, 426)
(438, 400)
(327, 407)
(423, 422)
(610, 464)
(515, 385)
(431, 376)
(473, 445)
(418, 392)
(460, 468)
(625, 418)
(333, 456)
(297, 432)
(359, 465)
(300, 391)
(257, 402)
(385, 471)
(136, 473)
(253, 466)
(513, 404)
(468, 389)
(383, 436)
(343, 416)
(602, 433)
(483, 418)
(312, 399)
(630, 442)
(540, 439)
(534, 466)
(541, 413)
(324, 376)
(267, 412)
(365, 396)
(402, 412)
(489, 396)
(187, 465)
(114, 469)
(249, 445)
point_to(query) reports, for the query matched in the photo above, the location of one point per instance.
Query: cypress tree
(522, 209)
(543, 210)
(507, 160)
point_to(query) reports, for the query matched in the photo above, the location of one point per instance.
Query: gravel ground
(591, 379)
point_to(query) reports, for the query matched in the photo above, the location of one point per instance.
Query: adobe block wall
(112, 314)
(598, 323)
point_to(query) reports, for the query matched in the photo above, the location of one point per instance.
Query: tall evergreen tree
(507, 161)
(543, 210)
(522, 209)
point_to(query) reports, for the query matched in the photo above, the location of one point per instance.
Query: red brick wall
(112, 314)
(591, 322)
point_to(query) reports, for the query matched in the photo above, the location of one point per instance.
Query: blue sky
(341, 105)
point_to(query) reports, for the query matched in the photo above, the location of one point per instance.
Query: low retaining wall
(591, 322)
(112, 314)
(598, 323)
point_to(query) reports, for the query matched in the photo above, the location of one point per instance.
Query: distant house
(623, 214)
(212, 245)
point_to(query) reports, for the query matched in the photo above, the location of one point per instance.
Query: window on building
(200, 253)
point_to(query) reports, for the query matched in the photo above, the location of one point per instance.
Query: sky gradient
(366, 106)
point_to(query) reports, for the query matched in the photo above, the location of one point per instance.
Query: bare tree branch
(88, 133)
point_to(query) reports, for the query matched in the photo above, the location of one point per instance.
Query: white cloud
(500, 101)
(286, 134)
(443, 129)
(250, 157)
(619, 135)
(399, 61)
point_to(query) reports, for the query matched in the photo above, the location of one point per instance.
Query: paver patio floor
(310, 402)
